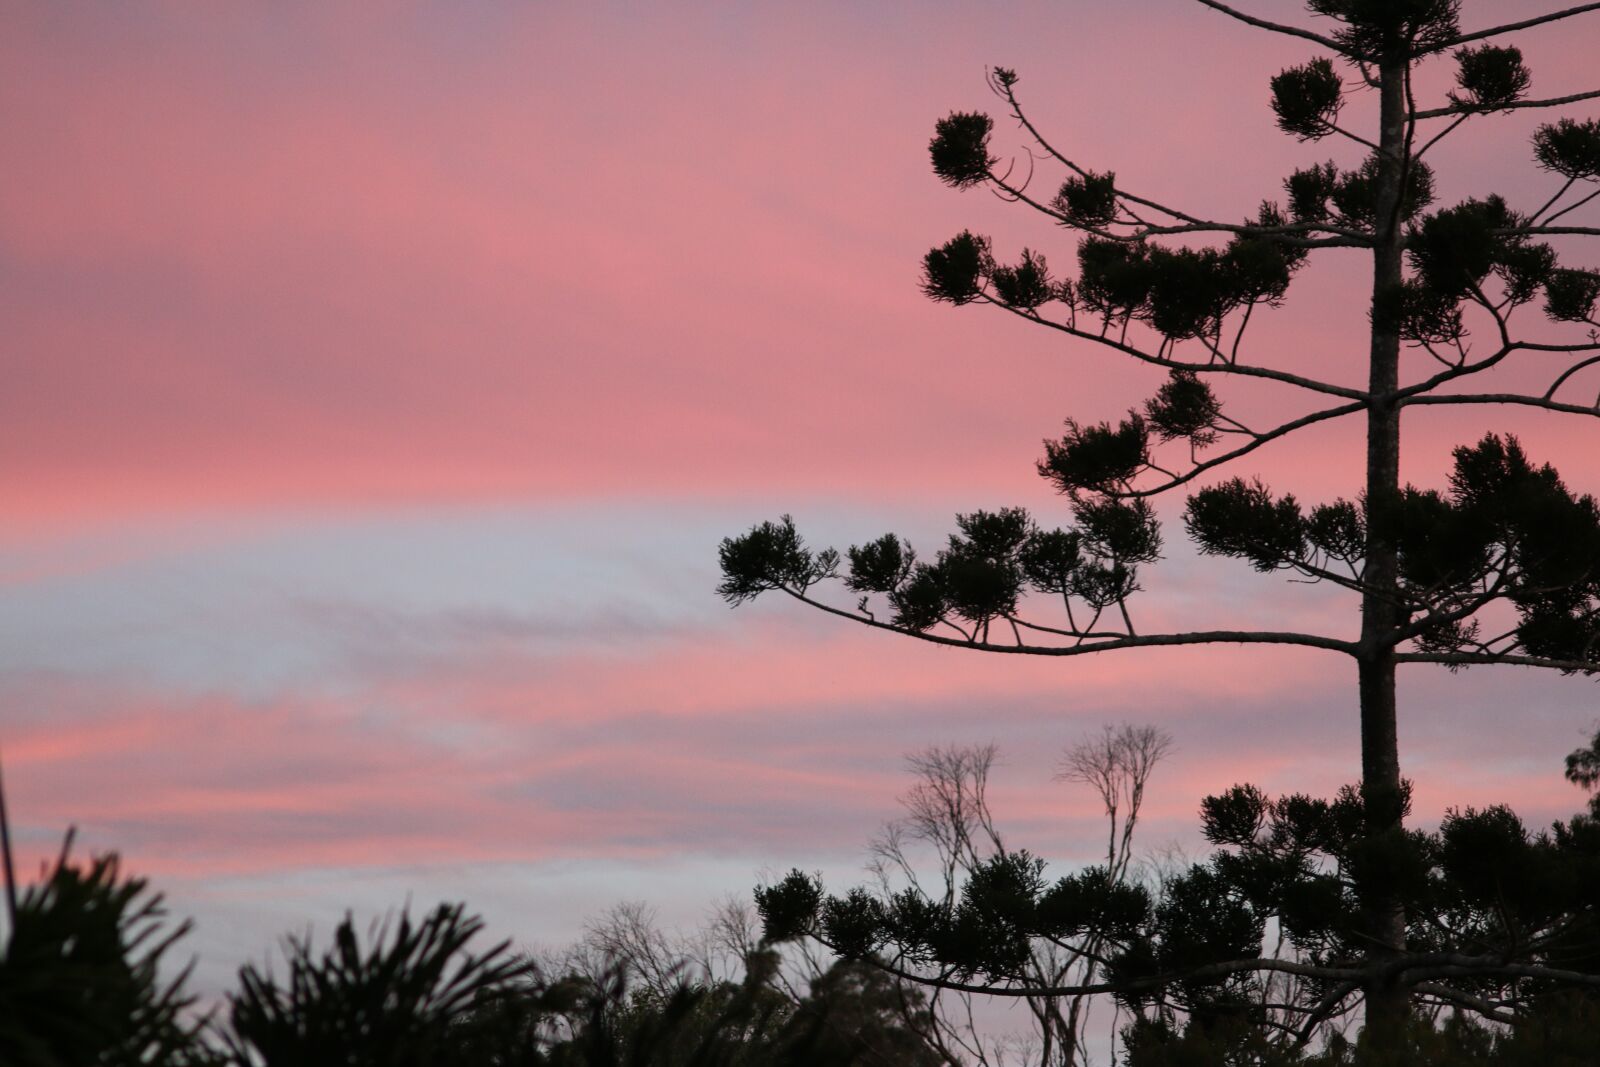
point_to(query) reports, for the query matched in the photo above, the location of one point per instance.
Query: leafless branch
(1542, 402)
(1277, 27)
(1510, 27)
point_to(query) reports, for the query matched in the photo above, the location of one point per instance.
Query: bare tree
(947, 814)
(628, 939)
(1117, 764)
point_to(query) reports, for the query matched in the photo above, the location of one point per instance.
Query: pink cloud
(781, 743)
(559, 257)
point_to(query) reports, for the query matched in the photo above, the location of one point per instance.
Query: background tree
(947, 815)
(1499, 568)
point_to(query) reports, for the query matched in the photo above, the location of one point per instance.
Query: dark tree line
(88, 978)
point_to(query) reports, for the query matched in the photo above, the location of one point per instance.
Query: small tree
(1502, 567)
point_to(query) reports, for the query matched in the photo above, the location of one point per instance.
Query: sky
(379, 385)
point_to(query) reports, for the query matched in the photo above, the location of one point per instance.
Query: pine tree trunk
(1380, 613)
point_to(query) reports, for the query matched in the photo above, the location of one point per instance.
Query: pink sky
(378, 389)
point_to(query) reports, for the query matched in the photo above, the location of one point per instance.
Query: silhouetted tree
(80, 981)
(1503, 567)
(947, 814)
(408, 997)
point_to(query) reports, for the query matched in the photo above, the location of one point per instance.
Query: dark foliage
(1026, 285)
(920, 602)
(1307, 99)
(1338, 530)
(880, 566)
(1380, 30)
(1490, 77)
(1583, 769)
(956, 270)
(1569, 147)
(79, 977)
(1478, 885)
(395, 1002)
(770, 556)
(1355, 194)
(1454, 250)
(1050, 560)
(1114, 277)
(1310, 190)
(1184, 407)
(1096, 458)
(1089, 200)
(960, 148)
(1123, 531)
(1423, 315)
(1571, 295)
(1241, 519)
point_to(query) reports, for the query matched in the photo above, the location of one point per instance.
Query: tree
(408, 997)
(1499, 568)
(80, 974)
(947, 812)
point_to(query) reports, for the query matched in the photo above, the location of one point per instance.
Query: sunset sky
(378, 386)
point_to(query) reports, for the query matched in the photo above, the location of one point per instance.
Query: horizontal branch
(1512, 27)
(1473, 109)
(1468, 966)
(1293, 234)
(1468, 659)
(1198, 368)
(1553, 231)
(1278, 27)
(1198, 637)
(1543, 403)
(1214, 970)
(1413, 970)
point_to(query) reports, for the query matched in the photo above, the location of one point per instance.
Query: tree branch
(1290, 233)
(1543, 402)
(1568, 373)
(1213, 970)
(1256, 442)
(1578, 231)
(1451, 966)
(1466, 1000)
(1473, 109)
(1198, 368)
(1467, 659)
(1197, 637)
(1278, 27)
(1571, 207)
(1478, 35)
(1343, 237)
